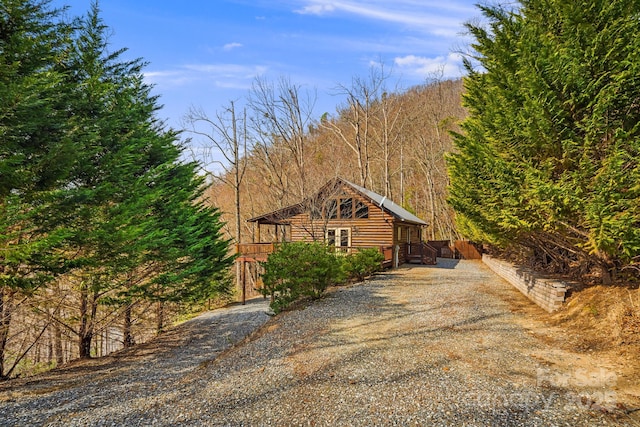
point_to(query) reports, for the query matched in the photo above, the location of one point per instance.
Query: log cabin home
(347, 217)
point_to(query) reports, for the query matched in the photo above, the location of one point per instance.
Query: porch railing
(261, 251)
(421, 252)
(255, 251)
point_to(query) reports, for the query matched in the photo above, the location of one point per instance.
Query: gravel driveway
(414, 346)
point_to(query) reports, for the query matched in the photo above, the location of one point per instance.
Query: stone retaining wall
(547, 293)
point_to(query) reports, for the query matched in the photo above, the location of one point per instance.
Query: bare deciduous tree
(355, 121)
(225, 135)
(402, 142)
(389, 131)
(283, 115)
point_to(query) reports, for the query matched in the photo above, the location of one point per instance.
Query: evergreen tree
(34, 154)
(548, 157)
(92, 189)
(183, 240)
(129, 166)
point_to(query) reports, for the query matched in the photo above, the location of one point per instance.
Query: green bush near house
(298, 270)
(359, 265)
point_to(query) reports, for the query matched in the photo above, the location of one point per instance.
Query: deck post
(238, 269)
(244, 282)
(396, 256)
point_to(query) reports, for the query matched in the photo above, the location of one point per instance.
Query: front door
(340, 238)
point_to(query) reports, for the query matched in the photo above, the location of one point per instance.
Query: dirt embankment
(599, 326)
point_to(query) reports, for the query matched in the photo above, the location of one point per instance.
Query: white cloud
(316, 9)
(443, 18)
(175, 78)
(231, 46)
(449, 66)
(220, 75)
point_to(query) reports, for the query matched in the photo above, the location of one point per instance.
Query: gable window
(332, 209)
(362, 210)
(346, 208)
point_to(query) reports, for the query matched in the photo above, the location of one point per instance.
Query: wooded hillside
(391, 143)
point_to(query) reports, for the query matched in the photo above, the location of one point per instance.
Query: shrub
(299, 270)
(362, 264)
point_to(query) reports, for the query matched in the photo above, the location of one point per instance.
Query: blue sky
(207, 53)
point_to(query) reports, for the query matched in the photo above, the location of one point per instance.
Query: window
(345, 238)
(362, 210)
(346, 208)
(340, 238)
(399, 234)
(331, 236)
(332, 209)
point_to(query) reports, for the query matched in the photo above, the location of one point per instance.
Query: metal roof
(278, 216)
(396, 210)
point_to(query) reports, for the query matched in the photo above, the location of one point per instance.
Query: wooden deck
(254, 252)
(415, 252)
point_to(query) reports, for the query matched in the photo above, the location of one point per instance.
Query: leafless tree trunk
(88, 311)
(225, 135)
(6, 308)
(402, 195)
(283, 115)
(57, 344)
(127, 324)
(159, 317)
(390, 130)
(354, 124)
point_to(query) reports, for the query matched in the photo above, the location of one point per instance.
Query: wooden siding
(415, 233)
(374, 231)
